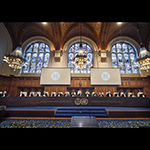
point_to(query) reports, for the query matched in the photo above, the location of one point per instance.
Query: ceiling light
(119, 23)
(81, 59)
(144, 59)
(44, 23)
(15, 59)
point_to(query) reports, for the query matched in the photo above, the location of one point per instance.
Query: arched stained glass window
(37, 57)
(124, 57)
(73, 51)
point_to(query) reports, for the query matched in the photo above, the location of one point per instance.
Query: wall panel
(14, 84)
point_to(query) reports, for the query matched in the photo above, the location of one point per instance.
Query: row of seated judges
(79, 93)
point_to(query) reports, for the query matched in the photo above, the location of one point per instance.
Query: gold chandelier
(15, 59)
(144, 59)
(143, 62)
(81, 59)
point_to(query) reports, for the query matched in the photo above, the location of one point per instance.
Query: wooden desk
(75, 101)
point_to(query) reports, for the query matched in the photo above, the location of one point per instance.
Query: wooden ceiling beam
(59, 34)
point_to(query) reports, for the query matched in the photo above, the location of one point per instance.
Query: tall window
(73, 51)
(37, 57)
(124, 56)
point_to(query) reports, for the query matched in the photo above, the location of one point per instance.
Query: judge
(109, 94)
(4, 94)
(79, 93)
(124, 94)
(133, 95)
(116, 94)
(66, 94)
(59, 94)
(142, 94)
(87, 93)
(31, 94)
(94, 94)
(101, 94)
(73, 94)
(21, 94)
(45, 94)
(36, 94)
(52, 94)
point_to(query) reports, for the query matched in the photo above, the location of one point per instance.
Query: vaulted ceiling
(60, 32)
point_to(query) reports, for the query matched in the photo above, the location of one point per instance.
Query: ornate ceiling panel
(64, 27)
(100, 32)
(96, 26)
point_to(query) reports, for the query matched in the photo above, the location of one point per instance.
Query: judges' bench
(75, 101)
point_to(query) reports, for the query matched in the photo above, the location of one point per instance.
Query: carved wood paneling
(13, 85)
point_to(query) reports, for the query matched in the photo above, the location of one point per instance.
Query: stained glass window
(73, 51)
(37, 57)
(124, 57)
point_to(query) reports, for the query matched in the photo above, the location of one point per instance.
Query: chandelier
(81, 59)
(143, 62)
(144, 59)
(15, 59)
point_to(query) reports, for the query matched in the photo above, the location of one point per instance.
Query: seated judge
(101, 94)
(141, 94)
(21, 94)
(124, 94)
(4, 94)
(31, 94)
(94, 94)
(117, 94)
(79, 93)
(59, 94)
(36, 94)
(133, 95)
(129, 94)
(109, 94)
(44, 94)
(52, 94)
(73, 94)
(87, 93)
(66, 94)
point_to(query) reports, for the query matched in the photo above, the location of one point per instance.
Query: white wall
(100, 64)
(62, 63)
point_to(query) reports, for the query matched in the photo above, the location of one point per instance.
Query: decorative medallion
(77, 101)
(55, 76)
(84, 101)
(105, 76)
(81, 101)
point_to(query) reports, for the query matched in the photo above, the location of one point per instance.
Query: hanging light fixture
(81, 58)
(144, 57)
(15, 59)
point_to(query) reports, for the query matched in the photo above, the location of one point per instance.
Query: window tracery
(124, 57)
(37, 57)
(73, 51)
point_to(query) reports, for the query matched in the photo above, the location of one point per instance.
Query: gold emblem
(84, 101)
(81, 101)
(77, 101)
